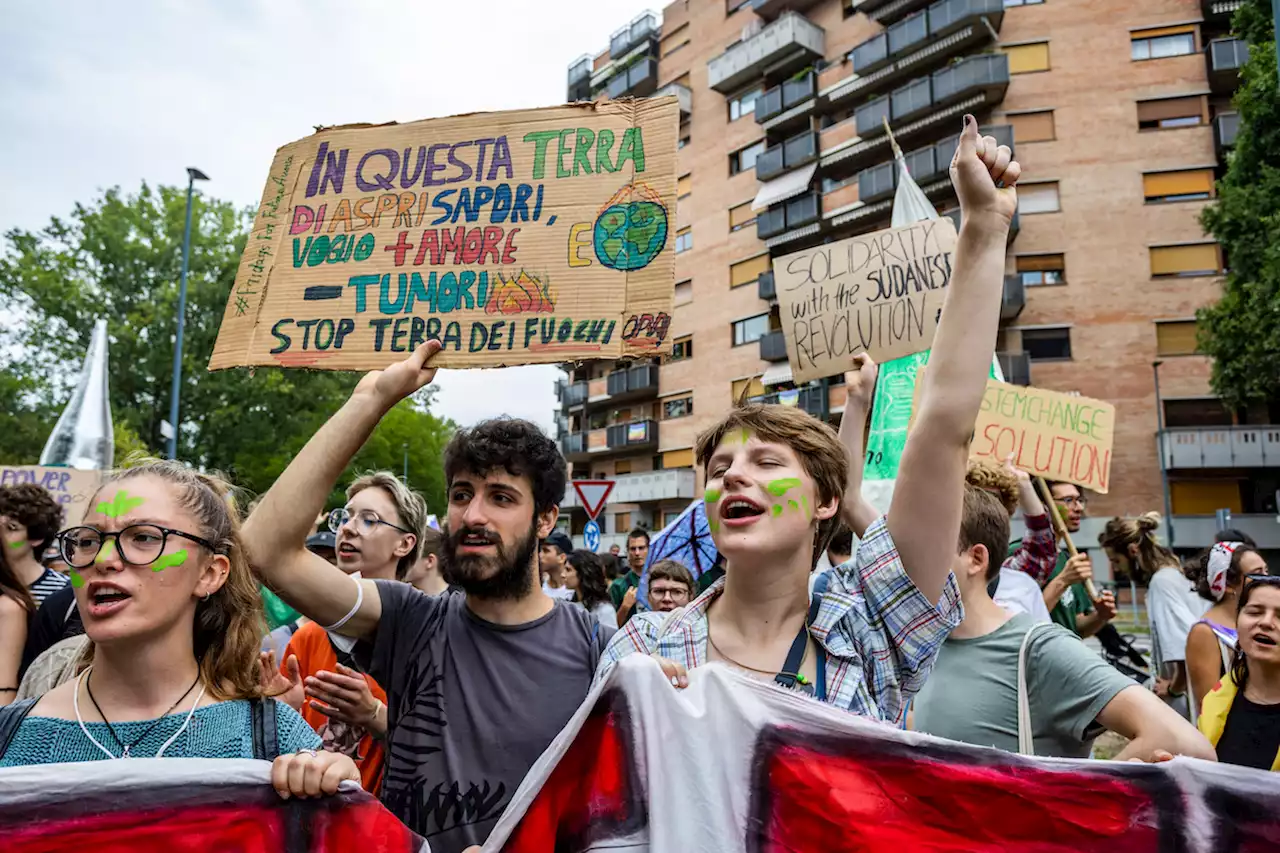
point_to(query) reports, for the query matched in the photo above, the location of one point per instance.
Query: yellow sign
(513, 238)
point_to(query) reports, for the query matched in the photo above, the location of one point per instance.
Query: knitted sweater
(222, 730)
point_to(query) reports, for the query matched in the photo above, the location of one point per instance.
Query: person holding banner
(172, 611)
(775, 478)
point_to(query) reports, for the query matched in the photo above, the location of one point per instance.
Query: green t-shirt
(620, 585)
(1075, 602)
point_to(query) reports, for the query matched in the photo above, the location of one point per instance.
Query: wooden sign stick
(1051, 506)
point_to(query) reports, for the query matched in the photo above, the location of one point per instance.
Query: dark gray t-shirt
(972, 693)
(471, 705)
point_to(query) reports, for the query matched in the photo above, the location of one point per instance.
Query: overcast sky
(97, 94)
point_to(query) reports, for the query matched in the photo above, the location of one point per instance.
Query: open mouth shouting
(1265, 640)
(475, 542)
(106, 598)
(347, 551)
(737, 511)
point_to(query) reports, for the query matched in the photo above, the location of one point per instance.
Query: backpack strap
(11, 717)
(1026, 735)
(266, 733)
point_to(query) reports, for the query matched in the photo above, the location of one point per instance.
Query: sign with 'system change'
(513, 238)
(878, 293)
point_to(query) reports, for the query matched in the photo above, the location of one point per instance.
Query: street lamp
(1160, 449)
(193, 175)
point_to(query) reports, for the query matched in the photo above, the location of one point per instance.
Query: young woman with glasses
(1241, 716)
(174, 619)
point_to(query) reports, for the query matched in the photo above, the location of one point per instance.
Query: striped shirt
(46, 585)
(880, 634)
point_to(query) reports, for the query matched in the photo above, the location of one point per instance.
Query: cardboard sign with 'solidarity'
(513, 238)
(878, 293)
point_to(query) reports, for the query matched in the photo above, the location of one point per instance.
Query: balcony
(637, 435)
(783, 223)
(924, 164)
(770, 9)
(771, 222)
(673, 484)
(788, 104)
(1016, 367)
(773, 346)
(574, 445)
(789, 43)
(683, 96)
(766, 288)
(904, 43)
(811, 398)
(907, 33)
(839, 196)
(1222, 447)
(1013, 298)
(1198, 531)
(562, 425)
(579, 80)
(785, 156)
(562, 388)
(1219, 11)
(638, 81)
(633, 383)
(642, 29)
(1225, 128)
(878, 181)
(983, 73)
(911, 100)
(575, 394)
(1225, 58)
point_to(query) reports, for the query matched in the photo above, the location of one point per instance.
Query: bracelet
(354, 608)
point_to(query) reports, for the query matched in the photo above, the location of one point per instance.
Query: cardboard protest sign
(514, 238)
(185, 804)
(644, 767)
(71, 487)
(1052, 435)
(878, 293)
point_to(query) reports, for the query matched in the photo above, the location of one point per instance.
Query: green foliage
(128, 447)
(120, 258)
(1242, 331)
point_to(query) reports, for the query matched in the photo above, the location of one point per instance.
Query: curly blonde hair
(996, 479)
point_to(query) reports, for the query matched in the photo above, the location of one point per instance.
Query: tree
(120, 257)
(1242, 330)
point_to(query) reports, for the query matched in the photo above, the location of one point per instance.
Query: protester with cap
(553, 556)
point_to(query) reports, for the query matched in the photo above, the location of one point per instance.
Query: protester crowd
(435, 667)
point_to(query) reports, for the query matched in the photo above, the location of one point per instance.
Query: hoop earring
(207, 595)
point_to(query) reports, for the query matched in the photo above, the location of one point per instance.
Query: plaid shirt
(1037, 553)
(879, 632)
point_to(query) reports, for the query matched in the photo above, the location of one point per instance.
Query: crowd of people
(435, 667)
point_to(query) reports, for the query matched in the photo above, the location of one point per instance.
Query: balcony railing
(1225, 128)
(638, 81)
(766, 288)
(574, 444)
(576, 394)
(798, 212)
(792, 41)
(770, 9)
(1016, 367)
(1225, 58)
(668, 484)
(773, 346)
(633, 381)
(878, 181)
(1222, 447)
(1013, 298)
(1219, 10)
(683, 96)
(966, 76)
(785, 156)
(771, 222)
(643, 27)
(786, 96)
(910, 34)
(911, 100)
(811, 398)
(632, 436)
(579, 80)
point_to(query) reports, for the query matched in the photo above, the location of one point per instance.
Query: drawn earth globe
(629, 235)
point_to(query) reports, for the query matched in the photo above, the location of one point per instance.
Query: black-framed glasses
(138, 544)
(365, 521)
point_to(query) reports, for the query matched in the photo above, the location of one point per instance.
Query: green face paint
(108, 548)
(711, 496)
(16, 545)
(76, 580)
(119, 505)
(793, 504)
(778, 488)
(177, 558)
(777, 510)
(714, 525)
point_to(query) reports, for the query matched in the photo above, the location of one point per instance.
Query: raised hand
(984, 174)
(286, 688)
(392, 384)
(344, 696)
(860, 381)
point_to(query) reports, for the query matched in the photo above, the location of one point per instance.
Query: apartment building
(1121, 116)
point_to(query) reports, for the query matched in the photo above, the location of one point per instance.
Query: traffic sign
(593, 494)
(591, 533)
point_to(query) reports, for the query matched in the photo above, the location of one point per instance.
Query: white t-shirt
(1172, 608)
(605, 615)
(561, 592)
(1019, 593)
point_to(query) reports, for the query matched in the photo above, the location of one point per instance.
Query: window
(684, 292)
(1185, 261)
(1164, 113)
(681, 348)
(1176, 337)
(745, 103)
(678, 459)
(741, 216)
(1053, 344)
(1038, 198)
(745, 389)
(1163, 41)
(1032, 127)
(1188, 185)
(750, 330)
(684, 240)
(745, 159)
(622, 466)
(622, 522)
(674, 40)
(1025, 58)
(1038, 270)
(746, 272)
(684, 185)
(677, 407)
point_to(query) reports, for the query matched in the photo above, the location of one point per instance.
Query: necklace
(800, 679)
(125, 748)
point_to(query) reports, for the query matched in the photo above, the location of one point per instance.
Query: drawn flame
(520, 295)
